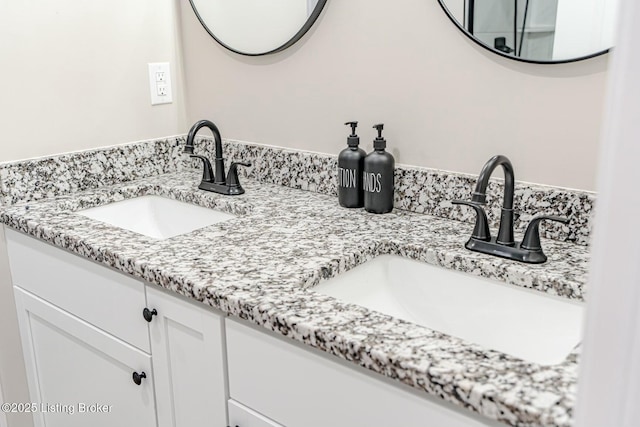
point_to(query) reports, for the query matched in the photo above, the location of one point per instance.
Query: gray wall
(446, 102)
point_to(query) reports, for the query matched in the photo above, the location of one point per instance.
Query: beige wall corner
(75, 74)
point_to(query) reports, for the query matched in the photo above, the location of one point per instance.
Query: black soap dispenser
(379, 168)
(350, 167)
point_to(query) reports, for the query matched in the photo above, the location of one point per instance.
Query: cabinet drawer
(102, 297)
(298, 387)
(241, 416)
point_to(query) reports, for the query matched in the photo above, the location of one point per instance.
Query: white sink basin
(530, 325)
(155, 216)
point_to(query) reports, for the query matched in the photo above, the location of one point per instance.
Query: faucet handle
(531, 240)
(481, 229)
(232, 177)
(207, 171)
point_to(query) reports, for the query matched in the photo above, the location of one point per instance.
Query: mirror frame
(297, 36)
(515, 58)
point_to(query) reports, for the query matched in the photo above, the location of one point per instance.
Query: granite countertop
(262, 266)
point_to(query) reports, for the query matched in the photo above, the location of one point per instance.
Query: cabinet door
(241, 416)
(188, 362)
(79, 375)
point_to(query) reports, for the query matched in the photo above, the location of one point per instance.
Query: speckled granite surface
(284, 241)
(69, 173)
(425, 190)
(421, 190)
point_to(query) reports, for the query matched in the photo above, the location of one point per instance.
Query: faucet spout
(505, 232)
(219, 177)
(480, 192)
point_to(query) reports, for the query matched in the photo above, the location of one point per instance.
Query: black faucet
(529, 250)
(213, 179)
(505, 232)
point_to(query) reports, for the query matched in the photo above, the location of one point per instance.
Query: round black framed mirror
(537, 31)
(257, 27)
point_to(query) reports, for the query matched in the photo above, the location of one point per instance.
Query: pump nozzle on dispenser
(379, 143)
(353, 140)
(353, 125)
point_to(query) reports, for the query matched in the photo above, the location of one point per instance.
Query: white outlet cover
(164, 96)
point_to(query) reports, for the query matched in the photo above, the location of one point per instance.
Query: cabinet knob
(148, 314)
(137, 377)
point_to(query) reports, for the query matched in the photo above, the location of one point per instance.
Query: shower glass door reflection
(522, 28)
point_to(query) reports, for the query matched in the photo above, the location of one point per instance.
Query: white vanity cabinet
(298, 387)
(84, 336)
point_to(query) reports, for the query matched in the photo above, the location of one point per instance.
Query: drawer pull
(137, 377)
(148, 314)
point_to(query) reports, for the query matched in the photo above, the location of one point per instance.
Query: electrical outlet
(160, 83)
